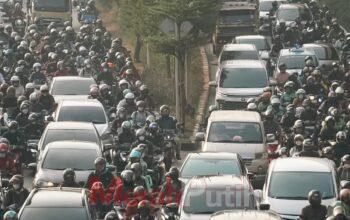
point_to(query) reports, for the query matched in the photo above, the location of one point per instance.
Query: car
(325, 53)
(239, 80)
(294, 58)
(245, 215)
(205, 195)
(211, 163)
(289, 13)
(240, 132)
(238, 52)
(266, 5)
(57, 203)
(90, 110)
(61, 155)
(69, 131)
(289, 181)
(71, 87)
(260, 42)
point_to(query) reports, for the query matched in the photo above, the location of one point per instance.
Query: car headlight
(43, 183)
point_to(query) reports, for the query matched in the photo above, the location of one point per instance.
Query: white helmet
(44, 88)
(130, 95)
(14, 79)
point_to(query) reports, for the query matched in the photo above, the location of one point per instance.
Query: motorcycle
(170, 212)
(169, 149)
(158, 171)
(120, 156)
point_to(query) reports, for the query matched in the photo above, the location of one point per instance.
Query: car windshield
(68, 134)
(260, 44)
(235, 132)
(52, 5)
(82, 114)
(56, 213)
(205, 166)
(243, 78)
(208, 201)
(297, 185)
(236, 16)
(266, 5)
(293, 14)
(239, 55)
(295, 62)
(325, 53)
(77, 159)
(71, 87)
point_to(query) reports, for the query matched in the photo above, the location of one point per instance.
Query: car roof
(234, 115)
(213, 155)
(72, 145)
(219, 181)
(297, 52)
(245, 214)
(70, 125)
(250, 37)
(73, 78)
(313, 45)
(292, 6)
(88, 102)
(239, 47)
(243, 64)
(57, 197)
(306, 164)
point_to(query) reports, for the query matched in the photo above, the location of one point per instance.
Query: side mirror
(111, 167)
(32, 166)
(264, 206)
(200, 136)
(270, 138)
(213, 84)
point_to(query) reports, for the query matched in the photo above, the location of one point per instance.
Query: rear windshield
(239, 55)
(325, 53)
(52, 5)
(243, 78)
(67, 135)
(260, 44)
(71, 87)
(236, 16)
(293, 14)
(82, 114)
(59, 213)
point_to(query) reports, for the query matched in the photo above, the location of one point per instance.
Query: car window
(297, 185)
(295, 62)
(325, 53)
(235, 132)
(208, 201)
(260, 44)
(243, 78)
(265, 5)
(77, 159)
(67, 134)
(82, 114)
(236, 16)
(59, 213)
(292, 14)
(239, 55)
(71, 87)
(206, 166)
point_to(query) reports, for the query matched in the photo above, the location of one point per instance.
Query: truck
(235, 18)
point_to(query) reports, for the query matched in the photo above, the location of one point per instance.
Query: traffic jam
(83, 138)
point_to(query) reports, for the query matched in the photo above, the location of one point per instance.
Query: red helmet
(3, 148)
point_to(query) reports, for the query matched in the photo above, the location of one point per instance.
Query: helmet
(140, 133)
(36, 65)
(16, 179)
(44, 88)
(136, 168)
(138, 84)
(100, 161)
(129, 72)
(315, 197)
(307, 144)
(345, 159)
(289, 84)
(329, 120)
(153, 126)
(327, 150)
(69, 174)
(275, 101)
(126, 91)
(127, 176)
(300, 92)
(10, 215)
(94, 91)
(173, 173)
(111, 216)
(340, 137)
(4, 148)
(14, 78)
(126, 125)
(339, 90)
(135, 154)
(13, 125)
(144, 208)
(298, 139)
(143, 89)
(252, 107)
(33, 97)
(164, 110)
(150, 119)
(122, 82)
(121, 112)
(298, 124)
(104, 88)
(141, 103)
(130, 95)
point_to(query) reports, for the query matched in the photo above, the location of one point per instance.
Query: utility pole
(177, 76)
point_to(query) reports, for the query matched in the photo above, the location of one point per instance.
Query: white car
(238, 52)
(289, 181)
(266, 5)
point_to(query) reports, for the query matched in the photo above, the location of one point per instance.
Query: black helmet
(144, 208)
(127, 176)
(345, 159)
(174, 173)
(164, 110)
(315, 198)
(69, 175)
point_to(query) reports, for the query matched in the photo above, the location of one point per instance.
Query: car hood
(292, 207)
(245, 150)
(59, 98)
(185, 216)
(291, 71)
(56, 176)
(241, 91)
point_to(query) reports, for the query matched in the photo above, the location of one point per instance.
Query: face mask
(142, 138)
(2, 155)
(298, 143)
(16, 186)
(300, 96)
(121, 115)
(88, 66)
(25, 111)
(141, 109)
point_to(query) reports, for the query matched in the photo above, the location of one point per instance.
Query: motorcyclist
(13, 135)
(105, 75)
(344, 202)
(270, 125)
(112, 215)
(298, 144)
(172, 189)
(135, 156)
(123, 193)
(314, 211)
(335, 31)
(341, 148)
(282, 76)
(126, 136)
(335, 74)
(139, 179)
(15, 82)
(148, 146)
(166, 123)
(264, 101)
(17, 13)
(154, 136)
(276, 108)
(288, 118)
(46, 99)
(331, 101)
(16, 195)
(22, 117)
(88, 70)
(128, 103)
(309, 115)
(144, 96)
(37, 77)
(35, 126)
(118, 121)
(139, 117)
(7, 159)
(69, 178)
(106, 96)
(328, 131)
(100, 199)
(61, 70)
(29, 89)
(308, 150)
(327, 152)
(123, 85)
(9, 102)
(344, 168)
(288, 95)
(144, 211)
